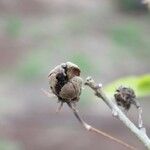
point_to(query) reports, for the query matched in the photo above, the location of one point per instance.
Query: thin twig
(92, 129)
(141, 134)
(87, 126)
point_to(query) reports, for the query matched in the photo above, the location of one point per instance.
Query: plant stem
(92, 129)
(141, 134)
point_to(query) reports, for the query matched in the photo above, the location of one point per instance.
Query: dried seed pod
(125, 97)
(65, 82)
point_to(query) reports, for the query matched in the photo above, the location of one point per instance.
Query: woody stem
(119, 114)
(92, 129)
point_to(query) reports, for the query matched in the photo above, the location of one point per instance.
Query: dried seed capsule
(125, 97)
(65, 82)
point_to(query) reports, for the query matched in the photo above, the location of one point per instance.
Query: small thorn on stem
(139, 108)
(114, 113)
(140, 121)
(143, 130)
(87, 127)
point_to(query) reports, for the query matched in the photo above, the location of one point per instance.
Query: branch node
(87, 127)
(143, 130)
(98, 86)
(114, 113)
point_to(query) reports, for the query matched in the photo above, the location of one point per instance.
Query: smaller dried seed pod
(125, 97)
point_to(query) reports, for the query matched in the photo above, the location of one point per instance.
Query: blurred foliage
(127, 35)
(82, 60)
(140, 84)
(33, 64)
(13, 26)
(131, 37)
(7, 145)
(86, 96)
(78, 25)
(132, 5)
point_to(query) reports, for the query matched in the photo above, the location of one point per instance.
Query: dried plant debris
(125, 97)
(65, 82)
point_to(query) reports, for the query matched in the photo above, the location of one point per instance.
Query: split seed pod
(65, 82)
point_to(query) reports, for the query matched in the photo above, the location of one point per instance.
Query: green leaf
(143, 85)
(140, 84)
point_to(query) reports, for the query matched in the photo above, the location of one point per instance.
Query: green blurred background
(109, 40)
